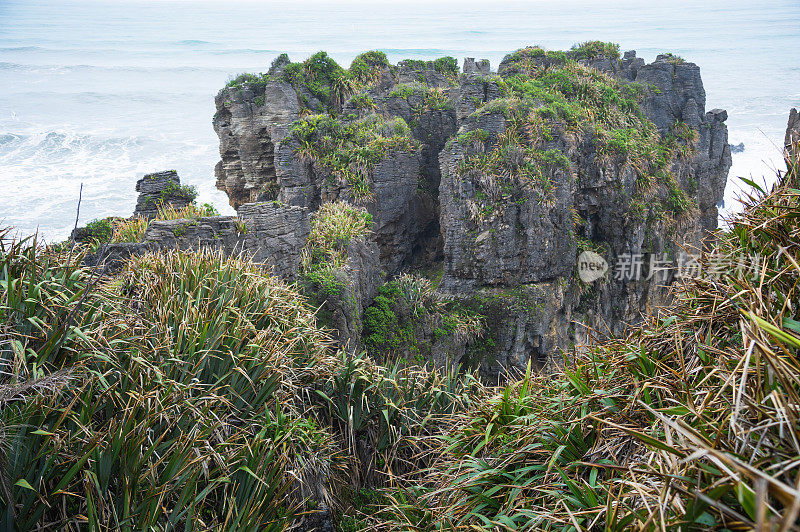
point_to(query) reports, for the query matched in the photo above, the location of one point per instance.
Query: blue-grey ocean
(101, 92)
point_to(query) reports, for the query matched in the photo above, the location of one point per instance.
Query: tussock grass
(334, 225)
(161, 410)
(133, 229)
(191, 391)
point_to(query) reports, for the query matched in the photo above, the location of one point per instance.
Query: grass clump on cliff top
(333, 226)
(447, 66)
(531, 58)
(99, 230)
(422, 99)
(406, 90)
(518, 161)
(322, 77)
(133, 229)
(595, 49)
(350, 149)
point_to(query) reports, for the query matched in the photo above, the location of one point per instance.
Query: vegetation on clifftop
(543, 105)
(447, 66)
(321, 77)
(350, 148)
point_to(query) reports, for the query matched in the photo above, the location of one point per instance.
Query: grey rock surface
(250, 126)
(481, 68)
(268, 233)
(343, 310)
(160, 189)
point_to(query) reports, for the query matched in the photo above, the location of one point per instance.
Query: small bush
(448, 66)
(595, 49)
(100, 230)
(405, 90)
(367, 66)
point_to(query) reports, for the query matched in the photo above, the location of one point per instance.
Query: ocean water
(101, 92)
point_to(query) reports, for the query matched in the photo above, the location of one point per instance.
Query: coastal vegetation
(542, 104)
(333, 227)
(323, 79)
(320, 77)
(116, 230)
(408, 317)
(195, 390)
(350, 149)
(125, 406)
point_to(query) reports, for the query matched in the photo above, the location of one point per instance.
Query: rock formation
(498, 180)
(486, 187)
(161, 189)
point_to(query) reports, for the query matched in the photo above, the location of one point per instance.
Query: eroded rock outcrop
(160, 190)
(498, 181)
(268, 233)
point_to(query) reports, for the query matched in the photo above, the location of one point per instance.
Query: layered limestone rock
(342, 303)
(159, 190)
(498, 181)
(505, 231)
(250, 122)
(268, 233)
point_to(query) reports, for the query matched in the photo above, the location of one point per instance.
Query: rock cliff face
(496, 181)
